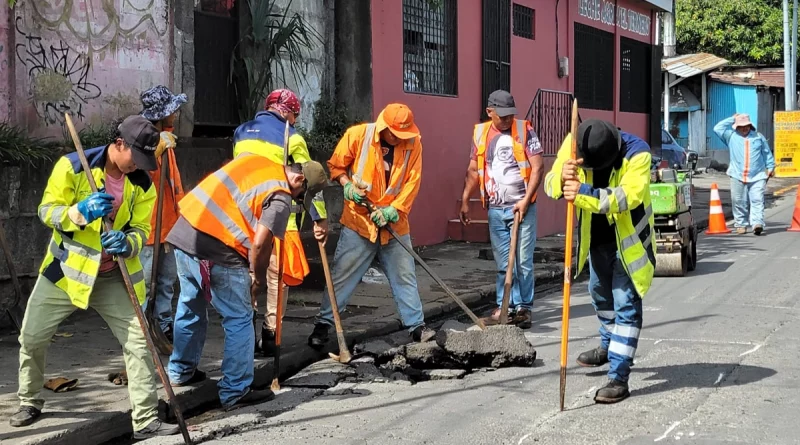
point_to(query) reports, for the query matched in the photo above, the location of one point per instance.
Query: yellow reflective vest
(626, 204)
(263, 136)
(73, 255)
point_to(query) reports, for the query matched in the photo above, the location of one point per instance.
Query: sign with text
(787, 144)
(606, 13)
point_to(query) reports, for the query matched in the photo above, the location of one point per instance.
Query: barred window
(524, 22)
(634, 91)
(430, 47)
(594, 68)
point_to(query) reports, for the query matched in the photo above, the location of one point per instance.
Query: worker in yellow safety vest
(609, 183)
(264, 136)
(80, 269)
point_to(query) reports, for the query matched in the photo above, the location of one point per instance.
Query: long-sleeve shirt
(750, 157)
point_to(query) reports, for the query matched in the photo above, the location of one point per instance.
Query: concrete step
(476, 232)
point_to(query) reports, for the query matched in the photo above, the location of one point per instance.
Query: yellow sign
(787, 144)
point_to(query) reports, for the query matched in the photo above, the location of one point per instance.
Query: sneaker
(614, 391)
(422, 334)
(197, 377)
(593, 357)
(25, 416)
(156, 428)
(758, 229)
(741, 230)
(253, 397)
(267, 342)
(522, 318)
(319, 337)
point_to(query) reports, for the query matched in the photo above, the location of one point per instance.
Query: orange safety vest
(227, 204)
(173, 193)
(519, 133)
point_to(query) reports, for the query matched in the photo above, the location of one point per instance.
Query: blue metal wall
(724, 100)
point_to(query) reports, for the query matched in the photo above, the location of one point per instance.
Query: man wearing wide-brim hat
(751, 164)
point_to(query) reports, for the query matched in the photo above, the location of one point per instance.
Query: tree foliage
(741, 31)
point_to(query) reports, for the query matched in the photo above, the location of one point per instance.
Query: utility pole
(668, 18)
(787, 58)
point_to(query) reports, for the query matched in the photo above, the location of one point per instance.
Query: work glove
(353, 193)
(97, 205)
(167, 141)
(115, 242)
(384, 216)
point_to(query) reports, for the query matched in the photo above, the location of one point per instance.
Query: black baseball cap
(599, 144)
(142, 136)
(503, 103)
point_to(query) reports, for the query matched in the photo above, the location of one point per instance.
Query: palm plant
(272, 37)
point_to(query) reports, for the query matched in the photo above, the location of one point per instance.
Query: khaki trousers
(48, 306)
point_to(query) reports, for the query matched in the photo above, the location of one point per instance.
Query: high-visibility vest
(172, 195)
(72, 261)
(519, 135)
(369, 176)
(227, 204)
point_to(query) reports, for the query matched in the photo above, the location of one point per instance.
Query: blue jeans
(618, 306)
(353, 256)
(501, 220)
(165, 286)
(230, 296)
(744, 195)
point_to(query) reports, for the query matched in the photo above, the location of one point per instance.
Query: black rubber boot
(267, 342)
(593, 357)
(319, 337)
(614, 391)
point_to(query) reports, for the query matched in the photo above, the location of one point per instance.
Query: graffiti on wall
(58, 77)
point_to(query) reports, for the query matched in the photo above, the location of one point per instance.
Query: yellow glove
(168, 141)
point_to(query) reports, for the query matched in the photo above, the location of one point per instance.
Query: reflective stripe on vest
(363, 158)
(479, 136)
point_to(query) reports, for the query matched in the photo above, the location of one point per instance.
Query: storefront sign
(624, 18)
(787, 144)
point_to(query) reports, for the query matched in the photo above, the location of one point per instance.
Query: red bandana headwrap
(284, 101)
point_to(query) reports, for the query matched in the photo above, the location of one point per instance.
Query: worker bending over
(80, 268)
(378, 163)
(609, 184)
(263, 136)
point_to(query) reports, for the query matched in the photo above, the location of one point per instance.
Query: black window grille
(430, 47)
(524, 21)
(594, 68)
(496, 49)
(634, 76)
(223, 7)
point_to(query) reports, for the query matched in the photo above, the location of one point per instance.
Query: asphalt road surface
(717, 364)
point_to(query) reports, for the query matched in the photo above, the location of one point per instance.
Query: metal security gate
(216, 31)
(496, 48)
(550, 115)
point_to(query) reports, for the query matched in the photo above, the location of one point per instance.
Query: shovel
(512, 258)
(344, 353)
(15, 313)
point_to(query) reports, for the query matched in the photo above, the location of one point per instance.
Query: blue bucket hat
(159, 103)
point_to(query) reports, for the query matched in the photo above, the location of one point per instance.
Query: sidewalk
(85, 349)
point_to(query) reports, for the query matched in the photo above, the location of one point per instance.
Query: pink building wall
(446, 122)
(91, 58)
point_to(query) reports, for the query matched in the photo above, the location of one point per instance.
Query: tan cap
(316, 180)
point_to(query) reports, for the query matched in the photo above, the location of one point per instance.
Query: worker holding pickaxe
(263, 136)
(80, 267)
(608, 182)
(378, 164)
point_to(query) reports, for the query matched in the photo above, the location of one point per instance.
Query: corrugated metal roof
(767, 77)
(689, 65)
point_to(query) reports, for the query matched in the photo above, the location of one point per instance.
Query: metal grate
(430, 47)
(594, 68)
(496, 49)
(634, 91)
(550, 116)
(524, 21)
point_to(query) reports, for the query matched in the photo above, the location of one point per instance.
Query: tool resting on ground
(344, 353)
(512, 258)
(14, 312)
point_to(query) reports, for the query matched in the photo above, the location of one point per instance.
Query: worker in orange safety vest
(379, 163)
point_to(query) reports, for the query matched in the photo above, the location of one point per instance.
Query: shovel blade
(344, 357)
(159, 339)
(16, 314)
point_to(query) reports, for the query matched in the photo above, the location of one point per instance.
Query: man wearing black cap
(80, 269)
(506, 164)
(609, 183)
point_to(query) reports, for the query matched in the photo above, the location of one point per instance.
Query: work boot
(422, 334)
(593, 357)
(253, 397)
(197, 377)
(522, 318)
(319, 337)
(758, 229)
(741, 230)
(24, 416)
(154, 429)
(267, 342)
(614, 391)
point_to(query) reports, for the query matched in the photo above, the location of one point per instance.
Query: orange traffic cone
(796, 215)
(716, 218)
